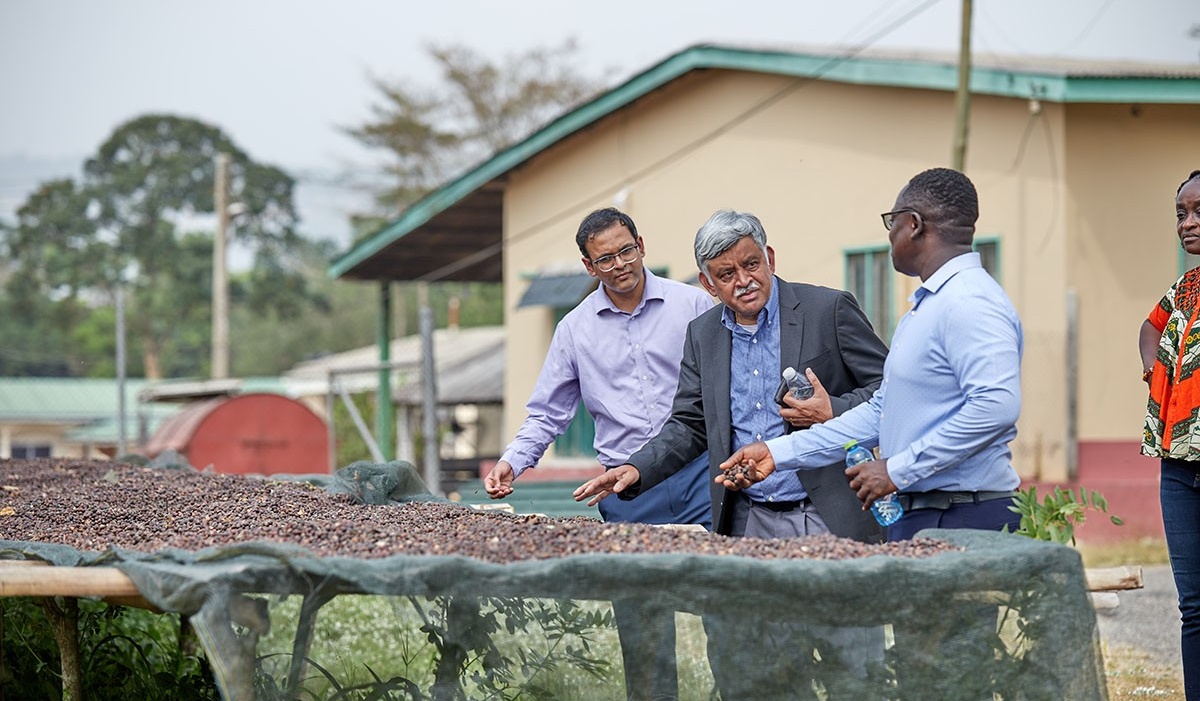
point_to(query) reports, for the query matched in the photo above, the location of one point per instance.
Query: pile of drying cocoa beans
(95, 505)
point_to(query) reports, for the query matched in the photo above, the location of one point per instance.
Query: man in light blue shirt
(951, 394)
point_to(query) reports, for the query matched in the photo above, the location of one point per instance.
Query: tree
(53, 263)
(481, 107)
(73, 244)
(431, 134)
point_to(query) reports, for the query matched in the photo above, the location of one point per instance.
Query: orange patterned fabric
(1172, 429)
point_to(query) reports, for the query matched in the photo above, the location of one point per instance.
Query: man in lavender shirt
(619, 351)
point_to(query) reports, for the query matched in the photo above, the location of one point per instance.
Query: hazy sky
(280, 76)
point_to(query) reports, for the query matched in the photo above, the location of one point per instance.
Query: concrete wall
(818, 161)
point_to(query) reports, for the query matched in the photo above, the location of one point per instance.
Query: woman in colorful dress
(1169, 343)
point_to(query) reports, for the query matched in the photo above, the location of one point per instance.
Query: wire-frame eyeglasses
(606, 264)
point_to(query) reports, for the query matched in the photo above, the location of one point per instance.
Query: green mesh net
(999, 617)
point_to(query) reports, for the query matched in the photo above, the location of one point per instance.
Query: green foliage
(480, 304)
(1055, 518)
(431, 134)
(446, 648)
(33, 344)
(73, 244)
(125, 654)
(350, 445)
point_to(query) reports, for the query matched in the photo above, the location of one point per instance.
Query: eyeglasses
(606, 264)
(889, 218)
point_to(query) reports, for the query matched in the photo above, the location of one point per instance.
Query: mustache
(739, 291)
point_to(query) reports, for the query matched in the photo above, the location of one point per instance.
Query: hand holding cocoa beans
(745, 467)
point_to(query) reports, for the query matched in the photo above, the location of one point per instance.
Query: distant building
(72, 417)
(469, 363)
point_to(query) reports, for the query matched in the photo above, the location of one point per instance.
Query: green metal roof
(61, 400)
(88, 404)
(454, 232)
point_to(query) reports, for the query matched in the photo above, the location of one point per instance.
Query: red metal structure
(248, 433)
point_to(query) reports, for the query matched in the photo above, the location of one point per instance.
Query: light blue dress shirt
(951, 394)
(753, 379)
(625, 367)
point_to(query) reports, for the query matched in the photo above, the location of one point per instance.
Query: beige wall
(1124, 166)
(817, 162)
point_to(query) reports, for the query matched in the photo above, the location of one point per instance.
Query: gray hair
(722, 231)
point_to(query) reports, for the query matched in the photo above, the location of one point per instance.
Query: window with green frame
(988, 249)
(869, 279)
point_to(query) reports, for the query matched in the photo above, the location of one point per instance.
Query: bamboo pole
(36, 578)
(1114, 578)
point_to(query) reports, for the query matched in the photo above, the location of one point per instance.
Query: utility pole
(220, 275)
(432, 462)
(962, 96)
(122, 434)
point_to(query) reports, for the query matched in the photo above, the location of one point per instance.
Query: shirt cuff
(783, 453)
(900, 470)
(519, 461)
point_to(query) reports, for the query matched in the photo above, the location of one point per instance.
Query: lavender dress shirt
(624, 366)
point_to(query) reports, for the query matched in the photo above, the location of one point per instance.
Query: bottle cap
(850, 445)
(789, 373)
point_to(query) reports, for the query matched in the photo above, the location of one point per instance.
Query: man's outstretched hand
(613, 481)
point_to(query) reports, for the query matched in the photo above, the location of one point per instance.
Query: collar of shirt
(652, 290)
(943, 274)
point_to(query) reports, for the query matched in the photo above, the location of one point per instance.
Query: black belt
(778, 506)
(912, 501)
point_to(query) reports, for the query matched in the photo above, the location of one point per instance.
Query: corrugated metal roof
(469, 363)
(182, 390)
(472, 380)
(451, 347)
(1030, 64)
(63, 399)
(105, 431)
(89, 404)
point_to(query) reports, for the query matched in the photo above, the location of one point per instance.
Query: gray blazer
(820, 328)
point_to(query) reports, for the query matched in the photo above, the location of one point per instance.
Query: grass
(1131, 674)
(1145, 552)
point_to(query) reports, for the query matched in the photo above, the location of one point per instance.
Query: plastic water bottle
(886, 510)
(798, 384)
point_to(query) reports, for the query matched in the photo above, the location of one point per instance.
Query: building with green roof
(72, 417)
(1076, 162)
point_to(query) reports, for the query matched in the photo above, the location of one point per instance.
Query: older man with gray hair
(733, 357)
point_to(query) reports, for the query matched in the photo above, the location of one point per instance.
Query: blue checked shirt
(753, 378)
